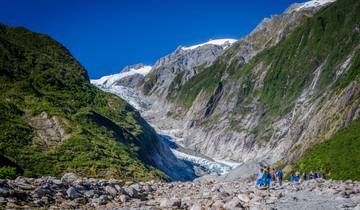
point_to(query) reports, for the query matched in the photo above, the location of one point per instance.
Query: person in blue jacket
(259, 179)
(279, 175)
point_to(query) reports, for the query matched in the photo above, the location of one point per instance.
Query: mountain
(54, 121)
(290, 84)
(283, 99)
(134, 83)
(179, 66)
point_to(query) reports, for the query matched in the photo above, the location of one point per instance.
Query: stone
(40, 191)
(72, 193)
(69, 178)
(4, 190)
(56, 181)
(224, 194)
(234, 203)
(186, 202)
(124, 198)
(38, 202)
(244, 197)
(355, 198)
(136, 187)
(89, 193)
(119, 188)
(79, 201)
(131, 192)
(111, 190)
(172, 202)
(99, 201)
(148, 188)
(218, 204)
(197, 207)
(23, 185)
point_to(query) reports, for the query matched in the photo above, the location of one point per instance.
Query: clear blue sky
(106, 35)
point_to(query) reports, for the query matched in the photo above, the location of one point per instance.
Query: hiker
(272, 175)
(304, 177)
(310, 177)
(294, 178)
(259, 177)
(266, 177)
(279, 174)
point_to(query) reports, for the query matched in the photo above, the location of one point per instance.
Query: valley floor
(72, 192)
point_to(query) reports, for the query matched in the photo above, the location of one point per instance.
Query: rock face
(176, 68)
(252, 104)
(244, 116)
(88, 193)
(270, 96)
(49, 130)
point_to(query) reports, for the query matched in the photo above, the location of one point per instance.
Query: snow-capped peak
(107, 81)
(220, 42)
(313, 3)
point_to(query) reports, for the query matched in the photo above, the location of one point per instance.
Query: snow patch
(109, 80)
(220, 42)
(313, 3)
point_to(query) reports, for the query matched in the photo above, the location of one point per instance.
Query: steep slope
(174, 69)
(292, 82)
(338, 157)
(283, 99)
(175, 95)
(53, 120)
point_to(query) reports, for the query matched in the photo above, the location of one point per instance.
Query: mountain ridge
(243, 107)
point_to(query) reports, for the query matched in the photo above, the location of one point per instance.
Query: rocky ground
(72, 192)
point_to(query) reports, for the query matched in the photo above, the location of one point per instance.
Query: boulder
(197, 207)
(234, 203)
(69, 178)
(172, 202)
(131, 192)
(72, 193)
(111, 190)
(244, 197)
(124, 198)
(89, 193)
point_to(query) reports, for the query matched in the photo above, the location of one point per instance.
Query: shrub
(7, 172)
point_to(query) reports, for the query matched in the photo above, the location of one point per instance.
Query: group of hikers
(268, 175)
(295, 177)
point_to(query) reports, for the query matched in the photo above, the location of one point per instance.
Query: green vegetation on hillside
(338, 157)
(206, 80)
(41, 82)
(326, 38)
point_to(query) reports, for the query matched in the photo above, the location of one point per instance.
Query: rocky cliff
(176, 68)
(291, 83)
(276, 102)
